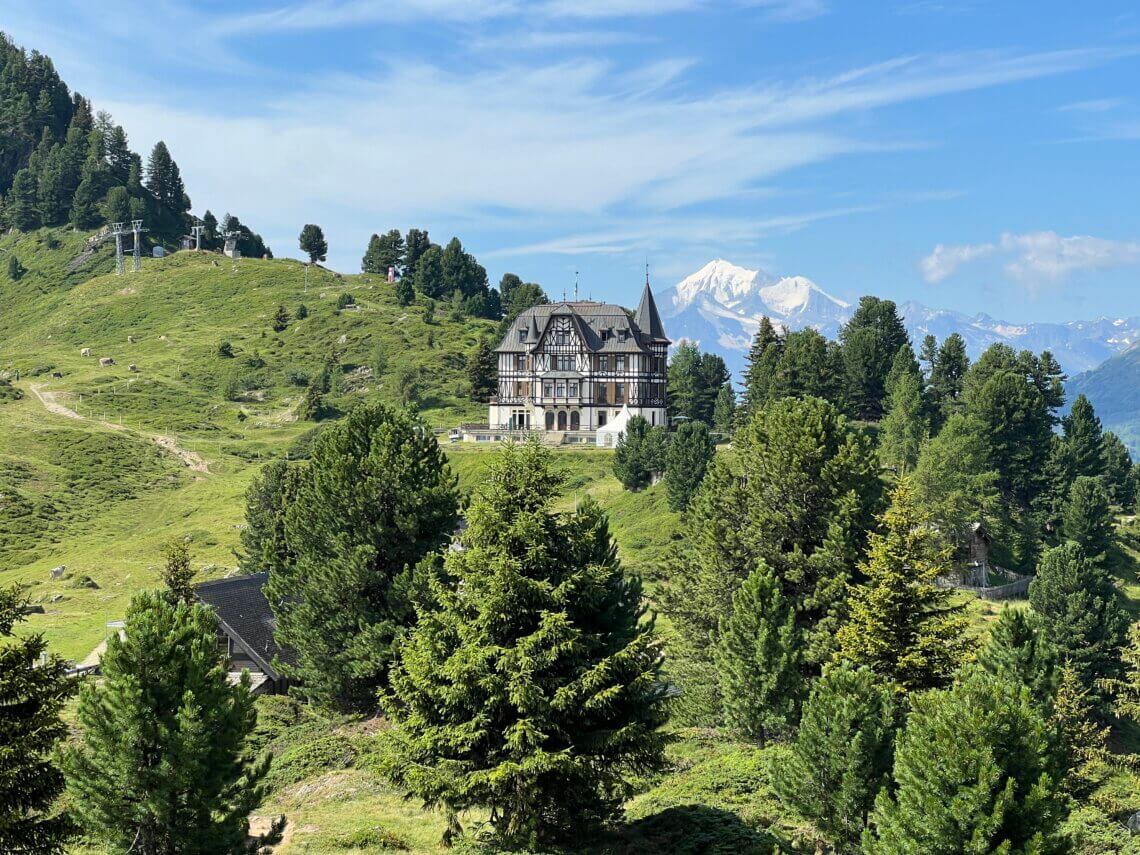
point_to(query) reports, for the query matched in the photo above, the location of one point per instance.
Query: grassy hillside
(100, 465)
(1114, 390)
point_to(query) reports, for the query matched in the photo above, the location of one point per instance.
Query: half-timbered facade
(574, 365)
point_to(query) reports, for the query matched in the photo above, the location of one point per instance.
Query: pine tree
(807, 365)
(32, 696)
(164, 180)
(973, 772)
(428, 277)
(117, 206)
(85, 213)
(1081, 614)
(164, 764)
(482, 371)
(263, 544)
(1084, 438)
(870, 341)
(312, 407)
(762, 358)
(1081, 740)
(176, 574)
(16, 269)
(370, 263)
(280, 319)
(313, 243)
(1086, 518)
(404, 290)
(639, 454)
(391, 253)
(1019, 652)
(904, 426)
(415, 245)
(1118, 472)
(530, 686)
(688, 455)
(21, 204)
(724, 412)
(841, 755)
(758, 658)
(901, 624)
(375, 498)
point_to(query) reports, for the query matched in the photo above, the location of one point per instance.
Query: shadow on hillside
(693, 829)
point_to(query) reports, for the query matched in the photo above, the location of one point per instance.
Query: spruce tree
(176, 573)
(1019, 651)
(1084, 438)
(973, 772)
(901, 624)
(1086, 518)
(270, 493)
(686, 460)
(483, 371)
(1118, 472)
(841, 755)
(32, 696)
(807, 365)
(758, 658)
(405, 291)
(724, 412)
(415, 245)
(684, 381)
(762, 358)
(635, 456)
(16, 270)
(370, 263)
(428, 278)
(1080, 738)
(530, 686)
(1081, 613)
(946, 376)
(375, 498)
(904, 426)
(117, 206)
(870, 341)
(164, 765)
(21, 205)
(164, 180)
(313, 243)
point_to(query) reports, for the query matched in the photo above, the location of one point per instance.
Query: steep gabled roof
(647, 319)
(244, 615)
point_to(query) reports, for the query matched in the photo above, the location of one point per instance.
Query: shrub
(302, 312)
(374, 838)
(225, 350)
(345, 300)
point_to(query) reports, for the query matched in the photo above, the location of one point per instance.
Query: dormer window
(607, 334)
(623, 335)
(522, 336)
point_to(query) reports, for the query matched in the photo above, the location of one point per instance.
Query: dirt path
(191, 459)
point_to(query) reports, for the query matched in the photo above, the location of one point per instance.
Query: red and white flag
(391, 275)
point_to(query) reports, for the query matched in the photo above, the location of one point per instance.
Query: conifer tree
(1081, 740)
(758, 658)
(639, 453)
(1081, 614)
(841, 755)
(870, 341)
(807, 365)
(21, 205)
(370, 263)
(263, 544)
(313, 243)
(724, 412)
(1118, 472)
(1019, 652)
(530, 686)
(176, 574)
(164, 180)
(280, 319)
(32, 696)
(117, 206)
(1084, 438)
(374, 499)
(415, 245)
(901, 624)
(85, 212)
(947, 374)
(974, 772)
(762, 358)
(405, 291)
(1086, 518)
(164, 764)
(16, 270)
(428, 278)
(482, 371)
(686, 460)
(904, 426)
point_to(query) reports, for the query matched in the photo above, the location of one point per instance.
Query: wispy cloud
(1035, 259)
(1093, 105)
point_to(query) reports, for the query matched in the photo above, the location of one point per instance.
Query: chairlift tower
(196, 234)
(117, 231)
(137, 228)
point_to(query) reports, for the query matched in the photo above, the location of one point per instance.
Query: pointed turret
(532, 331)
(647, 318)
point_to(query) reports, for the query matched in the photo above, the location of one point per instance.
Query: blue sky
(977, 156)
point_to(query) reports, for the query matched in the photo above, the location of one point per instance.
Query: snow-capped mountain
(720, 307)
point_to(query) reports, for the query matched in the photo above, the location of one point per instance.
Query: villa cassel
(573, 366)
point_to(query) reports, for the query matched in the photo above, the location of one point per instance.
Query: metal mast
(196, 233)
(137, 228)
(117, 231)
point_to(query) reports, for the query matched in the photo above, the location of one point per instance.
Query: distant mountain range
(720, 307)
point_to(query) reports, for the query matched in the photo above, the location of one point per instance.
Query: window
(562, 336)
(547, 389)
(619, 393)
(573, 388)
(619, 363)
(520, 363)
(560, 389)
(603, 363)
(606, 333)
(522, 335)
(564, 363)
(601, 418)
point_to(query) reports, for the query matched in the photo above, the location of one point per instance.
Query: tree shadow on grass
(693, 830)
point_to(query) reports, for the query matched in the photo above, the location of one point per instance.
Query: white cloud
(1094, 105)
(1035, 259)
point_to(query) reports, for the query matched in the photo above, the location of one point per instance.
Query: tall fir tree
(32, 698)
(974, 772)
(1081, 614)
(164, 765)
(904, 426)
(1087, 520)
(1118, 472)
(1085, 439)
(763, 356)
(482, 371)
(758, 657)
(21, 205)
(376, 497)
(841, 755)
(530, 686)
(724, 412)
(870, 341)
(902, 625)
(686, 459)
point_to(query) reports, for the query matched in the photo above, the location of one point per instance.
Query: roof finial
(647, 273)
(575, 286)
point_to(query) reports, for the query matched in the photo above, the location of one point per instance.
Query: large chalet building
(574, 366)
